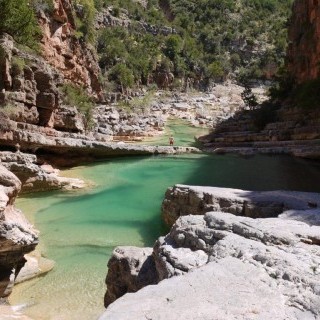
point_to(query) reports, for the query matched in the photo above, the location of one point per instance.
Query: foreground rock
(17, 236)
(35, 266)
(231, 268)
(132, 269)
(221, 266)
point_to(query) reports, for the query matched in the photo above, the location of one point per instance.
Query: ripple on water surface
(80, 229)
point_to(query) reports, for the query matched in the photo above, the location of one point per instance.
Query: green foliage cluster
(224, 28)
(249, 97)
(282, 85)
(128, 58)
(77, 97)
(44, 5)
(9, 110)
(214, 38)
(17, 18)
(85, 20)
(18, 65)
(138, 105)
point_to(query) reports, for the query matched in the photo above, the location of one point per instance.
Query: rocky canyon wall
(31, 83)
(61, 48)
(304, 41)
(17, 235)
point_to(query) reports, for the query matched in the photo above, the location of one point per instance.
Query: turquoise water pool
(80, 229)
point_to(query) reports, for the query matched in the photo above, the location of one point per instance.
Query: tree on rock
(17, 18)
(249, 98)
(122, 75)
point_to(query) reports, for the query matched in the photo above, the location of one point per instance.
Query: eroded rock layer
(17, 236)
(34, 175)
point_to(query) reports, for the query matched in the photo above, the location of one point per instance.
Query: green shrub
(209, 41)
(215, 71)
(18, 65)
(44, 5)
(122, 75)
(77, 97)
(249, 98)
(282, 86)
(17, 18)
(85, 22)
(116, 11)
(9, 110)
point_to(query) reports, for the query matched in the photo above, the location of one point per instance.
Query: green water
(80, 229)
(182, 132)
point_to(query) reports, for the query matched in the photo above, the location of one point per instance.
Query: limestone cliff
(304, 41)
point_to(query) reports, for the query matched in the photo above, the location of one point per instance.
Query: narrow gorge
(91, 94)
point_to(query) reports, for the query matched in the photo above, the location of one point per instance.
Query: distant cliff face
(61, 49)
(30, 83)
(304, 41)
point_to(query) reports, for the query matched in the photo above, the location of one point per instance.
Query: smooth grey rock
(35, 177)
(227, 289)
(129, 270)
(222, 266)
(183, 200)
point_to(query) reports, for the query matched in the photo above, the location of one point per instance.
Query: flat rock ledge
(35, 176)
(182, 200)
(67, 149)
(219, 265)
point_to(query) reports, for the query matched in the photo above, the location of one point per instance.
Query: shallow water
(182, 132)
(80, 229)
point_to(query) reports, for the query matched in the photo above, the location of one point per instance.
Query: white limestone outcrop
(183, 200)
(222, 266)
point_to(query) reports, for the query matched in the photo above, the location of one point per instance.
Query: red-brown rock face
(304, 41)
(63, 51)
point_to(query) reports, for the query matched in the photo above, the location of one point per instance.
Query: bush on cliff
(85, 20)
(77, 97)
(208, 40)
(17, 18)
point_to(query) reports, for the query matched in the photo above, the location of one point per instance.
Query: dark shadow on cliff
(243, 122)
